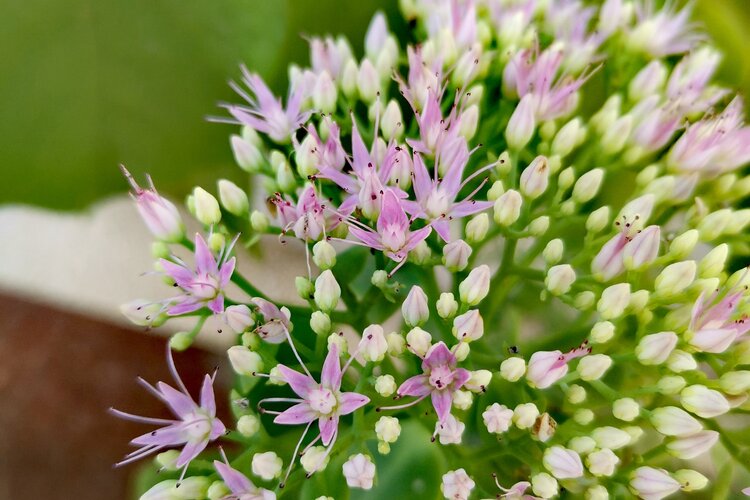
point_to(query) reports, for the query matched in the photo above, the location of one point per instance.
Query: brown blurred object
(59, 373)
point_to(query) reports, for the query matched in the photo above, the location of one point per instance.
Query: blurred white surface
(91, 262)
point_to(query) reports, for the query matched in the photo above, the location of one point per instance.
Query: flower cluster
(525, 228)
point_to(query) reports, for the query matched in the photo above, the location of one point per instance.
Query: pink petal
(443, 229)
(166, 436)
(217, 304)
(369, 238)
(204, 259)
(234, 479)
(191, 450)
(351, 401)
(187, 306)
(392, 213)
(225, 274)
(460, 377)
(328, 426)
(417, 237)
(438, 355)
(442, 401)
(300, 413)
(180, 274)
(470, 207)
(418, 385)
(301, 384)
(422, 181)
(331, 375)
(208, 401)
(180, 404)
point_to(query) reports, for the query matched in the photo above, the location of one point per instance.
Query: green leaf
(91, 84)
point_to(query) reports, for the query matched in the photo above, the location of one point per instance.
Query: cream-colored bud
(207, 209)
(582, 444)
(396, 343)
(388, 429)
(713, 263)
(544, 485)
(324, 255)
(671, 384)
(673, 421)
(626, 409)
(553, 251)
(602, 462)
(614, 300)
(248, 425)
(680, 361)
(418, 341)
(602, 332)
(524, 415)
(538, 226)
(690, 480)
(598, 220)
(512, 369)
(266, 465)
(477, 227)
(593, 366)
(610, 437)
(587, 186)
(327, 291)
(447, 305)
(476, 286)
(507, 208)
(704, 402)
(583, 416)
(654, 349)
(575, 394)
(535, 178)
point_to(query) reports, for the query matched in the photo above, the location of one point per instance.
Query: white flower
(497, 418)
(457, 485)
(359, 471)
(266, 465)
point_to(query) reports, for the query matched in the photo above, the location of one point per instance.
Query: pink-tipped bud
(642, 249)
(652, 483)
(693, 446)
(655, 349)
(476, 286)
(456, 255)
(522, 123)
(673, 421)
(704, 402)
(160, 215)
(468, 326)
(415, 309)
(238, 318)
(563, 463)
(373, 345)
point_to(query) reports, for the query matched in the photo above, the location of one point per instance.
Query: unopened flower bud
(568, 137)
(368, 81)
(469, 121)
(419, 341)
(535, 178)
(191, 487)
(562, 462)
(610, 437)
(320, 323)
(479, 380)
(373, 345)
(349, 76)
(248, 425)
(468, 326)
(387, 429)
(616, 136)
(168, 460)
(598, 220)
(324, 93)
(704, 402)
(421, 253)
(582, 444)
(735, 382)
(714, 224)
(244, 361)
(259, 221)
(693, 446)
(512, 369)
(456, 255)
(647, 81)
(379, 278)
(327, 291)
(553, 251)
(690, 480)
(681, 361)
(497, 418)
(314, 459)
(524, 415)
(391, 123)
(544, 485)
(602, 332)
(593, 366)
(396, 343)
(446, 305)
(649, 482)
(462, 400)
(414, 309)
(339, 341)
(305, 287)
(538, 226)
(602, 462)
(181, 341)
(642, 249)
(266, 465)
(584, 300)
(324, 255)
(233, 198)
(575, 394)
(246, 154)
(285, 178)
(614, 300)
(559, 279)
(626, 409)
(671, 384)
(712, 264)
(476, 286)
(596, 492)
(385, 385)
(522, 124)
(477, 227)
(207, 209)
(507, 208)
(566, 179)
(583, 416)
(587, 186)
(673, 421)
(654, 349)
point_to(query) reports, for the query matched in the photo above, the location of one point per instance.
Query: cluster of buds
(553, 289)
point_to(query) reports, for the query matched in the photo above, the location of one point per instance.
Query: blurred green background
(89, 84)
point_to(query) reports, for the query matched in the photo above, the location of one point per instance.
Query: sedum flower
(497, 418)
(359, 471)
(439, 380)
(203, 286)
(456, 485)
(160, 215)
(239, 485)
(193, 428)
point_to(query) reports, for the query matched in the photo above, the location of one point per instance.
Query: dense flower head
(524, 177)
